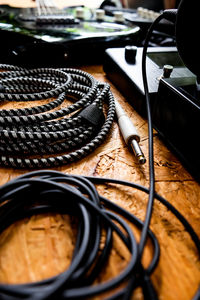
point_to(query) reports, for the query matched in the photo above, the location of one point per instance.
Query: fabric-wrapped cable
(52, 134)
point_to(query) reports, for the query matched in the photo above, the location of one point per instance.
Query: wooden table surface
(42, 246)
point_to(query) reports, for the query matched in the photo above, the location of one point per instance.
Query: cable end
(138, 152)
(141, 159)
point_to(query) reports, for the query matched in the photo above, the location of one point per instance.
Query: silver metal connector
(129, 133)
(138, 152)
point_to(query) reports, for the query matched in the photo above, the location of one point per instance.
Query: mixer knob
(167, 69)
(100, 14)
(118, 16)
(130, 54)
(79, 12)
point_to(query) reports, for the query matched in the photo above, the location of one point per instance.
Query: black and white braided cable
(52, 134)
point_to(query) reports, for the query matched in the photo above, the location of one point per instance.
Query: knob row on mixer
(147, 13)
(99, 14)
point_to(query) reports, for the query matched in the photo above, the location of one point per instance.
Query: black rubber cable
(151, 294)
(76, 195)
(65, 192)
(147, 286)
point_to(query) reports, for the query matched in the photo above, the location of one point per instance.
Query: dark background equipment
(175, 100)
(62, 37)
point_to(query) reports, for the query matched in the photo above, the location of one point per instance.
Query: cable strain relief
(93, 114)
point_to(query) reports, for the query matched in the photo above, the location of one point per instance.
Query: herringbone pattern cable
(52, 134)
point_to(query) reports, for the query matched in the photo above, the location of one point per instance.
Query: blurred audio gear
(47, 36)
(54, 133)
(141, 17)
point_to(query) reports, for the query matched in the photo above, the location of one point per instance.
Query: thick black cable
(53, 190)
(148, 289)
(151, 294)
(150, 140)
(49, 184)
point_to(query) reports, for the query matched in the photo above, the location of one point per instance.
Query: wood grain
(42, 246)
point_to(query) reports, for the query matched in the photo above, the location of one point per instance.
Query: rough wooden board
(42, 246)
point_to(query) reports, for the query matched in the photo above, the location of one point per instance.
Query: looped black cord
(52, 134)
(52, 191)
(86, 205)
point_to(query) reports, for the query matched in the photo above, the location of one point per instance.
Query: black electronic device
(123, 67)
(175, 99)
(53, 37)
(176, 116)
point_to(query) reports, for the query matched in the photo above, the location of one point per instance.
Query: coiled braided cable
(52, 134)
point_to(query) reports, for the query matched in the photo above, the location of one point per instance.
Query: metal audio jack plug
(129, 132)
(137, 151)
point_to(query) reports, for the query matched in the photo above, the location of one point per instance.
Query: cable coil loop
(96, 216)
(47, 191)
(52, 134)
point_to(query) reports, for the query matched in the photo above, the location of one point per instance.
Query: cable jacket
(52, 134)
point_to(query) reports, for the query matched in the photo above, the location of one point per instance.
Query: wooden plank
(42, 246)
